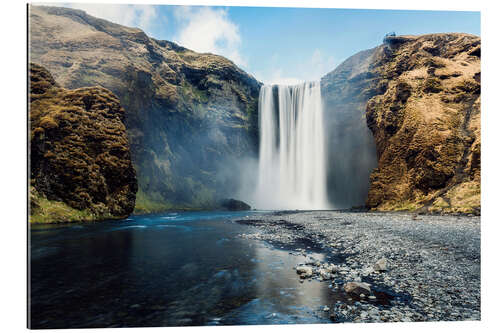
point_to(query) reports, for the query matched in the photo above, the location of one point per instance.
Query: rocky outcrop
(409, 110)
(80, 166)
(420, 97)
(426, 124)
(190, 117)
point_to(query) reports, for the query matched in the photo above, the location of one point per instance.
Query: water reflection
(280, 297)
(164, 270)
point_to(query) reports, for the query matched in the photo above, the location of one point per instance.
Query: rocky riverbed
(383, 266)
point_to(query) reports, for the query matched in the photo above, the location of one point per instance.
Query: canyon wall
(191, 118)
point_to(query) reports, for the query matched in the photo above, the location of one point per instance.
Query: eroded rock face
(351, 147)
(420, 97)
(190, 118)
(79, 153)
(426, 124)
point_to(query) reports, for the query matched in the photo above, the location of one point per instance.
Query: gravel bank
(432, 262)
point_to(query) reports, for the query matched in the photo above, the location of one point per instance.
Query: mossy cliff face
(79, 153)
(426, 124)
(190, 117)
(420, 98)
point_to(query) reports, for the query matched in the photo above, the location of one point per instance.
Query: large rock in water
(234, 205)
(79, 153)
(420, 96)
(191, 118)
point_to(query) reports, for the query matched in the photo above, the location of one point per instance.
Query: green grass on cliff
(144, 204)
(48, 211)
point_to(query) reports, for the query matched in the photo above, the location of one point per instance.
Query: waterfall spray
(292, 165)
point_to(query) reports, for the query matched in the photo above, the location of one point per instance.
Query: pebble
(415, 261)
(381, 265)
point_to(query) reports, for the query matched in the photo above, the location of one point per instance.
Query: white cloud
(312, 69)
(277, 76)
(320, 65)
(140, 16)
(205, 29)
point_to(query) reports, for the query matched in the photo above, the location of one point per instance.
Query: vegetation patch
(51, 211)
(79, 153)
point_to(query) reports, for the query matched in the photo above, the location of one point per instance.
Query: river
(171, 269)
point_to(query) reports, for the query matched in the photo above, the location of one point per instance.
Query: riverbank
(432, 268)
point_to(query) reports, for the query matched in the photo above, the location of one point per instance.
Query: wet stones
(304, 271)
(381, 265)
(321, 271)
(357, 288)
(325, 275)
(421, 263)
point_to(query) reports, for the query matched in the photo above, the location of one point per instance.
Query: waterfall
(292, 165)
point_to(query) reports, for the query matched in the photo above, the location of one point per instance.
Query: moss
(466, 197)
(194, 94)
(48, 122)
(431, 152)
(145, 204)
(469, 86)
(79, 152)
(49, 211)
(439, 205)
(432, 85)
(408, 206)
(172, 97)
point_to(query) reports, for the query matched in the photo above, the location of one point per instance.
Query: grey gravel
(432, 263)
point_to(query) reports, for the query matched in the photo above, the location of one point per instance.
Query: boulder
(380, 265)
(233, 204)
(357, 288)
(305, 271)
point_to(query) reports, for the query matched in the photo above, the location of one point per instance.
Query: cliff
(403, 119)
(421, 100)
(351, 154)
(190, 118)
(80, 166)
(426, 124)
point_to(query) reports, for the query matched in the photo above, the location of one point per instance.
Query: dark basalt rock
(233, 204)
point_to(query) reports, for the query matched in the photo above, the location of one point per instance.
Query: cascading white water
(292, 166)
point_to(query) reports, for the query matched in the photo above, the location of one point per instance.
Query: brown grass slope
(426, 124)
(79, 153)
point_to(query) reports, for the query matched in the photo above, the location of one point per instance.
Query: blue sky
(281, 45)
